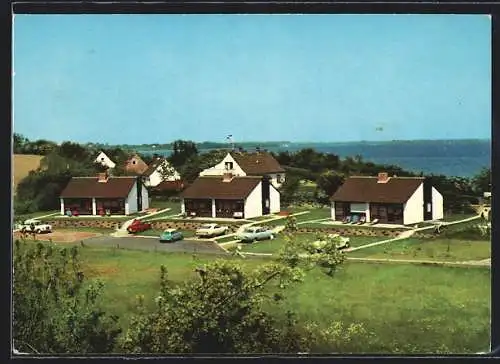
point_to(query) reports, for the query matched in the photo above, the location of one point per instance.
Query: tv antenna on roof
(230, 140)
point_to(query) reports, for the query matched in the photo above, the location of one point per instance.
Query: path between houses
(470, 263)
(409, 233)
(122, 231)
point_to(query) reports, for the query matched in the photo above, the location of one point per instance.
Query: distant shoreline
(264, 144)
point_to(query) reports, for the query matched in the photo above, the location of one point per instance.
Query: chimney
(240, 149)
(102, 177)
(383, 177)
(227, 177)
(257, 149)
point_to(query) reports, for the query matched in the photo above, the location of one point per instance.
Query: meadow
(405, 307)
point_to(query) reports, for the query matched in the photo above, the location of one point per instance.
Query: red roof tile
(257, 163)
(87, 187)
(214, 187)
(367, 189)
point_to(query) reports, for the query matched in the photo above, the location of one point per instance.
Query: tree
(327, 184)
(222, 311)
(482, 181)
(183, 150)
(289, 189)
(19, 143)
(73, 151)
(55, 311)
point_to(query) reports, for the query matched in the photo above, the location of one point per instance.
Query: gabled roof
(169, 186)
(367, 189)
(153, 166)
(213, 187)
(87, 187)
(257, 163)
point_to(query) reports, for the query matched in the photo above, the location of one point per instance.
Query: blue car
(170, 235)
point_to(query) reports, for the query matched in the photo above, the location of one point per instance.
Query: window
(278, 177)
(133, 162)
(229, 165)
(102, 159)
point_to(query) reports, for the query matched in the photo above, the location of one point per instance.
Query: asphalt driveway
(153, 244)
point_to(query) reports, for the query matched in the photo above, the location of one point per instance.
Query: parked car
(170, 235)
(211, 230)
(138, 226)
(342, 244)
(36, 226)
(253, 233)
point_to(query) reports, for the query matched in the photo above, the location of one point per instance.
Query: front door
(266, 195)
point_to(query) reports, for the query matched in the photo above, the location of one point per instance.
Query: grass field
(423, 307)
(22, 165)
(273, 246)
(456, 217)
(175, 207)
(429, 249)
(36, 215)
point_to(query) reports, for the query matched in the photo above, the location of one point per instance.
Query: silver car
(253, 233)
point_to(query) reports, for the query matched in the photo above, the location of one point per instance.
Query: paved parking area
(153, 244)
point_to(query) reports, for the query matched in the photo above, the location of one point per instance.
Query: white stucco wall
(220, 168)
(275, 198)
(106, 162)
(131, 201)
(274, 179)
(253, 203)
(62, 205)
(332, 211)
(413, 209)
(145, 198)
(437, 205)
(156, 177)
(183, 207)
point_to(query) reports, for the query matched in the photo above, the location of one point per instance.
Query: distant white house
(159, 171)
(229, 196)
(390, 200)
(239, 163)
(104, 160)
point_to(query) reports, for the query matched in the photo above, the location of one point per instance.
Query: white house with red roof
(389, 200)
(101, 194)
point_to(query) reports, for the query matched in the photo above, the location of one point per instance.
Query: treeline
(327, 171)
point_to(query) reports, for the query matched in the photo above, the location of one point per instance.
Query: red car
(138, 226)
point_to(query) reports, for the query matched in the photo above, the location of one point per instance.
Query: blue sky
(156, 78)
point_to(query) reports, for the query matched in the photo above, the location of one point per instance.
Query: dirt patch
(101, 270)
(60, 236)
(22, 165)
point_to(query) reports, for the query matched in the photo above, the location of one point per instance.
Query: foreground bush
(54, 310)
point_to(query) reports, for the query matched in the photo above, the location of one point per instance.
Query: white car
(342, 244)
(36, 226)
(211, 230)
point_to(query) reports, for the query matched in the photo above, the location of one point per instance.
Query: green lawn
(429, 249)
(175, 206)
(273, 246)
(34, 215)
(423, 307)
(456, 217)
